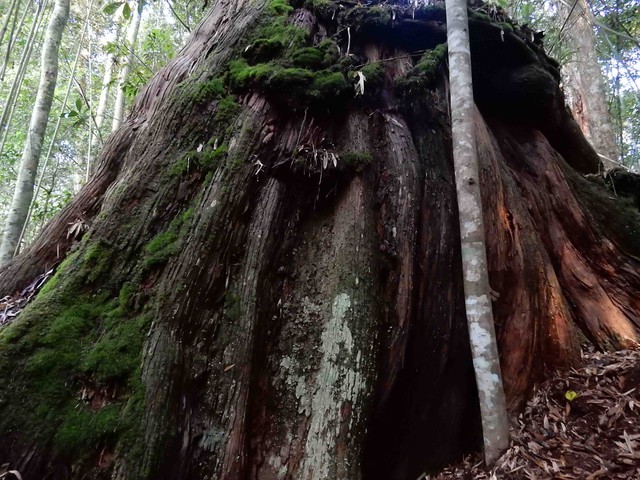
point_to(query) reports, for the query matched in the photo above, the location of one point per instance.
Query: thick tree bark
(271, 282)
(35, 135)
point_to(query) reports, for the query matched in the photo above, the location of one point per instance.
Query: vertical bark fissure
(325, 345)
(322, 325)
(434, 389)
(523, 279)
(575, 248)
(401, 194)
(215, 289)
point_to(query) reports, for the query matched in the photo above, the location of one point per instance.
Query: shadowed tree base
(271, 287)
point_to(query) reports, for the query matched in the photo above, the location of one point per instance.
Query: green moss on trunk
(71, 361)
(167, 243)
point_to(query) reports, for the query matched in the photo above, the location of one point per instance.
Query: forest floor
(582, 424)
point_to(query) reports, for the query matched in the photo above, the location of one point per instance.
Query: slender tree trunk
(484, 347)
(91, 121)
(125, 67)
(79, 178)
(97, 138)
(37, 127)
(14, 4)
(47, 199)
(16, 85)
(617, 93)
(585, 83)
(10, 45)
(104, 92)
(12, 34)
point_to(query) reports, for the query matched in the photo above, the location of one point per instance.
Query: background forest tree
(617, 29)
(94, 48)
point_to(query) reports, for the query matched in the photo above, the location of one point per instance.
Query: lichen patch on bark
(338, 380)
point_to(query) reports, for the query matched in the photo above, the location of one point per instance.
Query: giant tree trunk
(270, 285)
(28, 168)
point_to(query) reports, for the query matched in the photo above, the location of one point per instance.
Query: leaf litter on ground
(581, 424)
(12, 305)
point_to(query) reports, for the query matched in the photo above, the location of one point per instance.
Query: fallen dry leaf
(594, 436)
